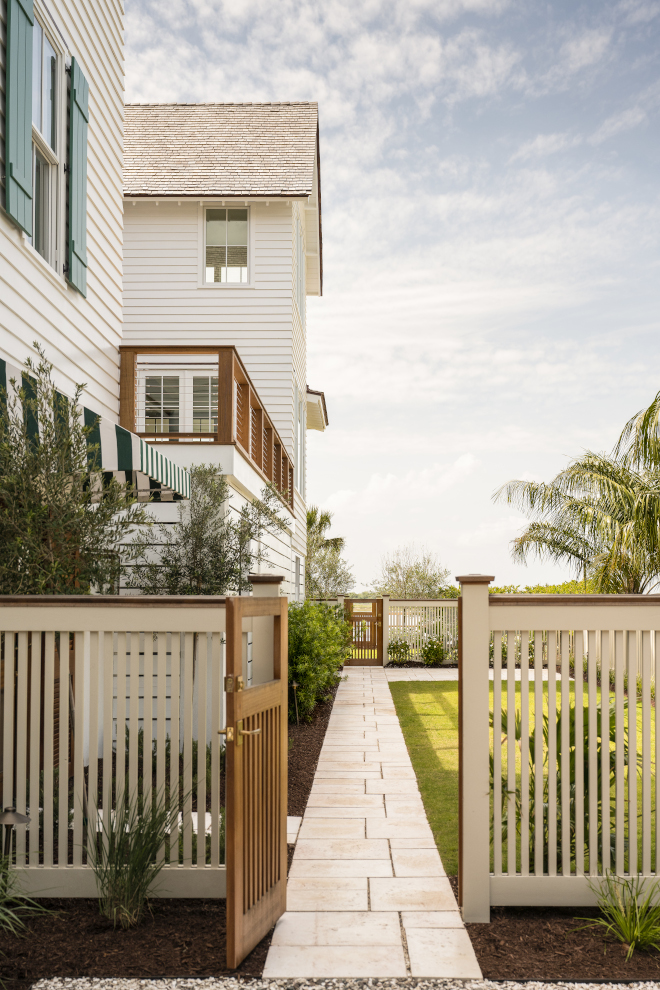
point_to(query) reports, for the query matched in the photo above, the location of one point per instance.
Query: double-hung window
(45, 159)
(46, 119)
(226, 247)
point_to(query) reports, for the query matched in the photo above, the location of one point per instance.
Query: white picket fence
(417, 622)
(552, 805)
(93, 689)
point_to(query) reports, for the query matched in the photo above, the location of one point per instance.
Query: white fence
(102, 694)
(417, 622)
(557, 762)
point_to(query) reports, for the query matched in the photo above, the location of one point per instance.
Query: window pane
(161, 405)
(216, 227)
(216, 264)
(237, 227)
(37, 35)
(205, 405)
(41, 217)
(50, 63)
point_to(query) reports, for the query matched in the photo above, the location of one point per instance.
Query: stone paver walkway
(367, 895)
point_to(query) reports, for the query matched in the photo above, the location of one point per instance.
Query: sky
(491, 235)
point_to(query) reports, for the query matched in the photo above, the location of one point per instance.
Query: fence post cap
(475, 578)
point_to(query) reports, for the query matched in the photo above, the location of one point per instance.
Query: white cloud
(618, 122)
(545, 144)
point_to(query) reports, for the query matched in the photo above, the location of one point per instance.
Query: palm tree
(600, 515)
(318, 523)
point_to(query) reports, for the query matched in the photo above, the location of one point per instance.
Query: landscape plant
(126, 860)
(398, 652)
(14, 905)
(61, 518)
(211, 549)
(320, 641)
(630, 909)
(433, 653)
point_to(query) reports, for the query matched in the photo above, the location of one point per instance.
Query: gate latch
(233, 683)
(240, 732)
(228, 733)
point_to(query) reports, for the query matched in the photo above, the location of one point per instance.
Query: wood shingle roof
(220, 149)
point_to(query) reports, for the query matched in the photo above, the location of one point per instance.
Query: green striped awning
(120, 452)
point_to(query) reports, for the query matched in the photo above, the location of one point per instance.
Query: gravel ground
(231, 983)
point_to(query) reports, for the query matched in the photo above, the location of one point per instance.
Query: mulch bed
(544, 944)
(179, 938)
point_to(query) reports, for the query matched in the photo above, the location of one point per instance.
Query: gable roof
(220, 149)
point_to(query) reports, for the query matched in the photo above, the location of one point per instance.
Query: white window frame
(56, 251)
(185, 376)
(225, 204)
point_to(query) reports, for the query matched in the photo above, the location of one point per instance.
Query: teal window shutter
(77, 179)
(18, 114)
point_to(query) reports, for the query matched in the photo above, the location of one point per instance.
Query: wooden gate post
(474, 748)
(386, 628)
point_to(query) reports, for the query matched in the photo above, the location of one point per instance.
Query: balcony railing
(201, 395)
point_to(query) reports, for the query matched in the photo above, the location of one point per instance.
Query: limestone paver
(345, 801)
(342, 849)
(411, 894)
(311, 961)
(338, 928)
(431, 919)
(341, 868)
(321, 893)
(444, 952)
(417, 863)
(366, 867)
(330, 828)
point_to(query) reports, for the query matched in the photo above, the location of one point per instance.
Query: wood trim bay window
(201, 395)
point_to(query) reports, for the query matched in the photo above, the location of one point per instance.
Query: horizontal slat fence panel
(101, 698)
(572, 749)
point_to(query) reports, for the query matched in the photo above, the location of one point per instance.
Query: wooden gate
(256, 803)
(366, 617)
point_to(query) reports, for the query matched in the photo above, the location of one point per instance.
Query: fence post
(386, 627)
(474, 748)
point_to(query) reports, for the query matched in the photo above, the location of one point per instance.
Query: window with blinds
(161, 404)
(205, 404)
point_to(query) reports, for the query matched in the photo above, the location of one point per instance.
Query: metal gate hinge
(233, 684)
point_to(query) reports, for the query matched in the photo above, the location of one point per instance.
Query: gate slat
(35, 746)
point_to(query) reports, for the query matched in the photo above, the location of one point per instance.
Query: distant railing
(201, 394)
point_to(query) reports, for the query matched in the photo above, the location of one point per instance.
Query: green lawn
(428, 713)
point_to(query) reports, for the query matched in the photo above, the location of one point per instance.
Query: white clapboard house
(222, 245)
(61, 148)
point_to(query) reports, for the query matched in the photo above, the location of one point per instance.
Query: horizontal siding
(164, 303)
(3, 89)
(80, 336)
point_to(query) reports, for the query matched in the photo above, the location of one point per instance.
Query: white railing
(558, 755)
(417, 622)
(99, 695)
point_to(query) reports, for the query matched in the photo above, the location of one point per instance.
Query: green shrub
(14, 905)
(629, 914)
(126, 858)
(320, 641)
(398, 652)
(433, 653)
